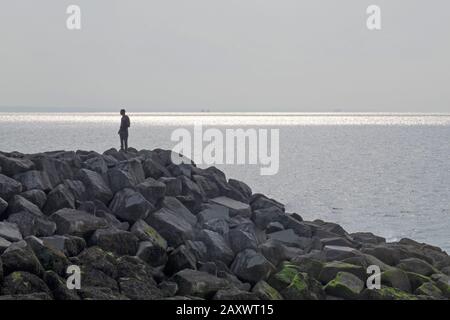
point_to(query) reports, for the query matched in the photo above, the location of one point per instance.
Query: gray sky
(225, 55)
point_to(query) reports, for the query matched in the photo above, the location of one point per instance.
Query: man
(123, 131)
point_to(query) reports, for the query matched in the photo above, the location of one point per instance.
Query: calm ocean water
(388, 174)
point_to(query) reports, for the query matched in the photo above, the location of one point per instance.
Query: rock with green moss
(331, 269)
(20, 282)
(266, 292)
(144, 232)
(345, 285)
(386, 293)
(308, 265)
(442, 282)
(296, 285)
(397, 279)
(429, 289)
(417, 280)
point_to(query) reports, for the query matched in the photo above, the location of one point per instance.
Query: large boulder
(179, 259)
(265, 291)
(77, 223)
(70, 245)
(291, 239)
(19, 256)
(34, 179)
(345, 285)
(367, 238)
(179, 210)
(173, 186)
(235, 207)
(77, 189)
(234, 294)
(120, 179)
(417, 266)
(97, 164)
(136, 289)
(9, 187)
(331, 269)
(155, 170)
(4, 244)
(198, 283)
(12, 166)
(116, 241)
(59, 198)
(397, 279)
(152, 253)
(33, 225)
(10, 231)
(173, 228)
(50, 258)
(134, 167)
(251, 266)
(152, 190)
(213, 212)
(241, 239)
(295, 285)
(217, 248)
(95, 185)
(24, 283)
(130, 205)
(20, 204)
(37, 197)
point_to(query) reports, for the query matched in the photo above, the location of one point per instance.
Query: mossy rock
(266, 292)
(294, 284)
(310, 266)
(345, 285)
(397, 279)
(386, 293)
(417, 280)
(156, 237)
(331, 269)
(430, 290)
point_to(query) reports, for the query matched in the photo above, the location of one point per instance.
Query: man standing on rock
(123, 131)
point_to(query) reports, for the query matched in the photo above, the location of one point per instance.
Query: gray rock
(97, 164)
(136, 289)
(338, 241)
(198, 249)
(179, 210)
(120, 179)
(13, 166)
(58, 286)
(212, 212)
(33, 225)
(241, 187)
(77, 188)
(20, 257)
(134, 167)
(173, 228)
(291, 239)
(3, 206)
(235, 207)
(265, 291)
(208, 187)
(331, 269)
(417, 266)
(274, 227)
(60, 197)
(274, 251)
(241, 240)
(367, 237)
(75, 222)
(9, 187)
(173, 185)
(152, 253)
(19, 204)
(216, 246)
(144, 232)
(168, 288)
(34, 179)
(130, 205)
(50, 258)
(4, 244)
(70, 245)
(263, 217)
(234, 294)
(96, 187)
(197, 283)
(252, 266)
(152, 190)
(10, 231)
(153, 169)
(37, 197)
(24, 283)
(116, 241)
(259, 201)
(217, 225)
(396, 278)
(345, 285)
(339, 253)
(179, 259)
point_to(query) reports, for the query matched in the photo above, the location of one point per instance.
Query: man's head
(122, 112)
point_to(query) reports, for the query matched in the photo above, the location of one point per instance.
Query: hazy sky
(226, 55)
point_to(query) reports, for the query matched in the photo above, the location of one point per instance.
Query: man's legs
(122, 139)
(125, 138)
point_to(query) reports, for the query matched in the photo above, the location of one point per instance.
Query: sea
(384, 173)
